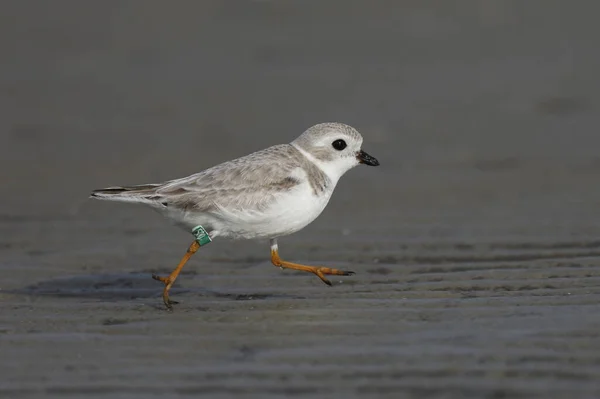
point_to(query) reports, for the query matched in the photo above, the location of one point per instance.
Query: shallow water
(475, 242)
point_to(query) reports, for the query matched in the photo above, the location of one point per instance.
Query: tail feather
(142, 193)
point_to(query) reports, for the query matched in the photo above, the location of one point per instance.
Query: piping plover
(267, 194)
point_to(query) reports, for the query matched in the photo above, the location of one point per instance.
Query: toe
(161, 279)
(326, 281)
(169, 303)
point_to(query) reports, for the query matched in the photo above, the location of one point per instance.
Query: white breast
(290, 212)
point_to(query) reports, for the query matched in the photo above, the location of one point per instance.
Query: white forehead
(323, 133)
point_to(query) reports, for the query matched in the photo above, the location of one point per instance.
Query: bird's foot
(322, 271)
(168, 282)
(318, 270)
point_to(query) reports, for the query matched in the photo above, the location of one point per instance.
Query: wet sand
(476, 242)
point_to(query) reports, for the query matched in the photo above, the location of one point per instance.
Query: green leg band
(201, 235)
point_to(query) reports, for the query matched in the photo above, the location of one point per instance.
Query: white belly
(290, 212)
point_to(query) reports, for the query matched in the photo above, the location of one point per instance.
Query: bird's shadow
(125, 286)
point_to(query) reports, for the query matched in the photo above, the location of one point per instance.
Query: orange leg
(168, 281)
(319, 271)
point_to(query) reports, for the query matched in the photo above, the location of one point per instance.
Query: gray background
(475, 242)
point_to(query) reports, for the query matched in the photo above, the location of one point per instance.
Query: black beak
(365, 158)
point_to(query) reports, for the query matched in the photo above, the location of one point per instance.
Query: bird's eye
(339, 144)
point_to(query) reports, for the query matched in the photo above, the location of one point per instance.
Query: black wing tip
(108, 191)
